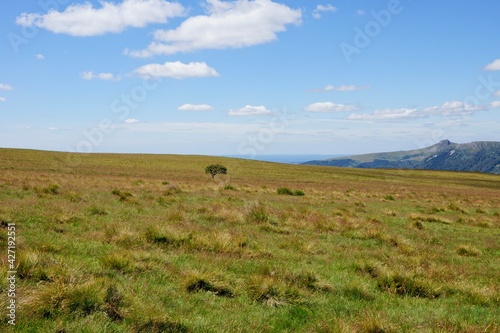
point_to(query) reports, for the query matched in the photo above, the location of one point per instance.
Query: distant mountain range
(482, 156)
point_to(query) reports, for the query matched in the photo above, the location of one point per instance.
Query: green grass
(105, 244)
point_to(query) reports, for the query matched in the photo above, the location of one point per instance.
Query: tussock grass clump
(428, 218)
(122, 196)
(402, 285)
(119, 261)
(32, 266)
(208, 282)
(389, 197)
(229, 188)
(218, 242)
(165, 238)
(371, 323)
(418, 224)
(86, 298)
(468, 251)
(172, 190)
(374, 269)
(454, 207)
(198, 284)
(287, 191)
(258, 214)
(97, 211)
(308, 280)
(273, 292)
(73, 299)
(358, 291)
(276, 288)
(52, 189)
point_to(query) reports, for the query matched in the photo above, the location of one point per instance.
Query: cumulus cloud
(495, 105)
(360, 12)
(85, 20)
(323, 8)
(329, 107)
(236, 24)
(99, 76)
(4, 86)
(494, 66)
(3, 99)
(454, 108)
(451, 109)
(496, 93)
(40, 56)
(195, 107)
(176, 70)
(249, 110)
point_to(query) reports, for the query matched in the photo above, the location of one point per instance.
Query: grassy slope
(149, 243)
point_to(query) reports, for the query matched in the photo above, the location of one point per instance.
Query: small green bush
(285, 191)
(230, 187)
(298, 193)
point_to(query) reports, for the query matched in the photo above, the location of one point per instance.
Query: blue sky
(248, 77)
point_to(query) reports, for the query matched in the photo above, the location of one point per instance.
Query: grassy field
(150, 243)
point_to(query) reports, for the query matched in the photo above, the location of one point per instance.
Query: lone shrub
(216, 169)
(285, 191)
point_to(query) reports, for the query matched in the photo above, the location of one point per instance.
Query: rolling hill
(480, 156)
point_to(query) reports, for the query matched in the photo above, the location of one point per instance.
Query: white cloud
(131, 121)
(53, 128)
(360, 12)
(249, 110)
(453, 108)
(99, 76)
(3, 99)
(195, 107)
(323, 8)
(176, 70)
(385, 114)
(447, 109)
(40, 56)
(4, 86)
(84, 20)
(329, 107)
(342, 88)
(494, 66)
(234, 24)
(496, 93)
